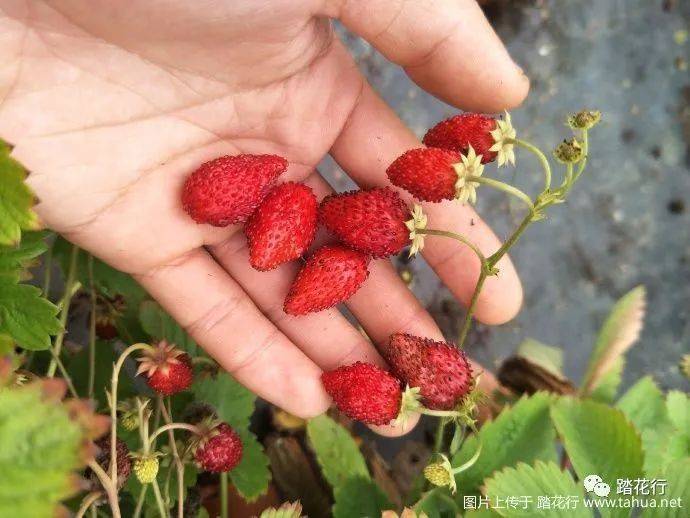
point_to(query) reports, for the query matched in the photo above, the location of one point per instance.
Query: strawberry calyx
(159, 358)
(417, 222)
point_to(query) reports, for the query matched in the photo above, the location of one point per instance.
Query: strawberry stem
(159, 499)
(173, 426)
(224, 494)
(109, 486)
(542, 158)
(502, 186)
(92, 331)
(167, 417)
(457, 237)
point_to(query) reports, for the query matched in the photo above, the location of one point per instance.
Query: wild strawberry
(371, 221)
(168, 370)
(364, 392)
(146, 467)
(124, 463)
(427, 173)
(283, 226)
(462, 131)
(219, 449)
(439, 369)
(332, 274)
(108, 310)
(228, 189)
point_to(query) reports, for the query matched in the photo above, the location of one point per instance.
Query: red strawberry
(364, 392)
(283, 226)
(168, 370)
(371, 221)
(228, 189)
(220, 450)
(462, 131)
(427, 173)
(124, 462)
(331, 275)
(439, 369)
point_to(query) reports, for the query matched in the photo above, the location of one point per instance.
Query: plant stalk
(224, 494)
(92, 332)
(64, 309)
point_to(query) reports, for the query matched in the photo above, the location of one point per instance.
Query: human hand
(111, 105)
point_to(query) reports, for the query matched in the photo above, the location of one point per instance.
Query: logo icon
(595, 484)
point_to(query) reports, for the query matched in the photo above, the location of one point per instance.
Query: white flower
(471, 165)
(503, 135)
(418, 222)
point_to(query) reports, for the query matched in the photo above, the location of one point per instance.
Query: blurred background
(628, 220)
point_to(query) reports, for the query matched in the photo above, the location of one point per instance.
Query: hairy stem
(109, 485)
(167, 417)
(502, 186)
(159, 499)
(140, 501)
(65, 374)
(64, 309)
(467, 323)
(224, 494)
(457, 237)
(542, 159)
(173, 426)
(87, 503)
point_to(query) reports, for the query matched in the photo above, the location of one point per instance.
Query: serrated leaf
(233, 403)
(251, 476)
(359, 497)
(40, 448)
(159, 325)
(521, 433)
(677, 476)
(599, 441)
(14, 259)
(607, 388)
(437, 503)
(620, 331)
(544, 480)
(336, 451)
(678, 407)
(547, 357)
(26, 315)
(16, 200)
(644, 404)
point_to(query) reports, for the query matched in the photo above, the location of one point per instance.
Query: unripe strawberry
(439, 369)
(371, 221)
(219, 450)
(228, 189)
(332, 274)
(283, 226)
(364, 392)
(146, 468)
(462, 131)
(168, 370)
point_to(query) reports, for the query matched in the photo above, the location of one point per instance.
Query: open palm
(111, 105)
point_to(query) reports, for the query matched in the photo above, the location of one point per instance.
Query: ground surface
(628, 222)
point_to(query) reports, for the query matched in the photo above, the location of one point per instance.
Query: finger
(372, 138)
(326, 337)
(446, 46)
(215, 311)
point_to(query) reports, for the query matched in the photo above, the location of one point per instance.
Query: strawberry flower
(469, 165)
(504, 137)
(418, 222)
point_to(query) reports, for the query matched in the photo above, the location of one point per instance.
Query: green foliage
(644, 404)
(336, 451)
(159, 325)
(599, 440)
(547, 357)
(437, 503)
(16, 200)
(619, 332)
(234, 404)
(359, 497)
(678, 406)
(607, 388)
(40, 447)
(677, 474)
(15, 259)
(522, 433)
(542, 479)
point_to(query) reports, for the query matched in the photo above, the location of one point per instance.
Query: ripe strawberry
(124, 463)
(219, 450)
(427, 173)
(108, 310)
(283, 226)
(364, 392)
(228, 189)
(371, 221)
(168, 370)
(462, 131)
(331, 275)
(439, 369)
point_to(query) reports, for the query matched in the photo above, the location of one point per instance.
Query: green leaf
(620, 331)
(40, 449)
(361, 498)
(599, 441)
(26, 316)
(644, 405)
(233, 403)
(678, 406)
(16, 200)
(544, 480)
(251, 476)
(14, 259)
(522, 433)
(607, 388)
(547, 357)
(437, 503)
(336, 451)
(677, 475)
(159, 325)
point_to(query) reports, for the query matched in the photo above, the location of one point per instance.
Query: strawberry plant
(153, 426)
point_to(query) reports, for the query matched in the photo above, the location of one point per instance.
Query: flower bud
(586, 119)
(569, 152)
